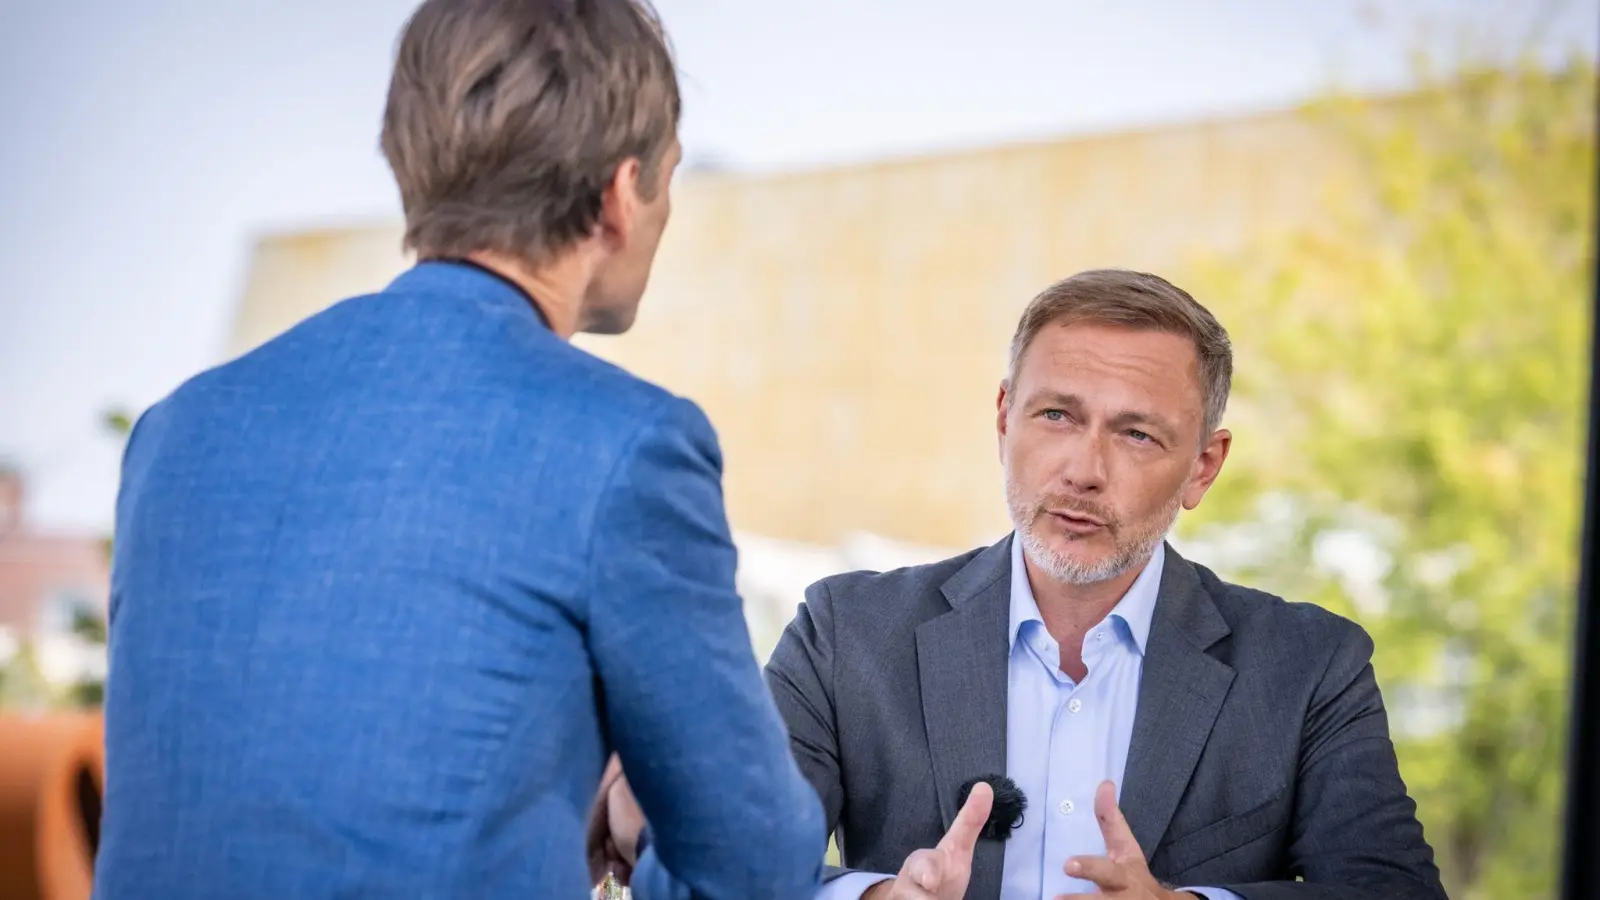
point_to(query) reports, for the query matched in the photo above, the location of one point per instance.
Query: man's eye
(1055, 415)
(1140, 436)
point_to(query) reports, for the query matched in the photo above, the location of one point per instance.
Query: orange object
(52, 777)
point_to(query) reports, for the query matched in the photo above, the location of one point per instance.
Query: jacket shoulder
(408, 345)
(1297, 630)
(897, 589)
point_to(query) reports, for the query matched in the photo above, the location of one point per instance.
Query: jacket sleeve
(703, 748)
(1355, 832)
(800, 675)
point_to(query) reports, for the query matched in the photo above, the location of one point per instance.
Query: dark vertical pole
(1580, 869)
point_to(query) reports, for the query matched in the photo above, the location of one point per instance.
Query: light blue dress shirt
(1062, 738)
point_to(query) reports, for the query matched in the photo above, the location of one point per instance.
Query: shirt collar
(1135, 610)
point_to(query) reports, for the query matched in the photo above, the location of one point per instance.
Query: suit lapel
(1181, 691)
(962, 657)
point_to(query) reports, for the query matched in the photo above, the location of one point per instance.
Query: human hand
(625, 820)
(615, 821)
(1122, 873)
(943, 872)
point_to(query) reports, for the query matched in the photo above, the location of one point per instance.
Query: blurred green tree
(1410, 392)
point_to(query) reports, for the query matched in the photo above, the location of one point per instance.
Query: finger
(614, 856)
(923, 870)
(603, 858)
(597, 837)
(596, 830)
(1108, 875)
(612, 773)
(621, 798)
(602, 797)
(964, 831)
(1121, 846)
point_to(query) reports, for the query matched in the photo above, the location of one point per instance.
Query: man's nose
(1084, 468)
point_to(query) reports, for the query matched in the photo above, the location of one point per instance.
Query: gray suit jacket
(1260, 750)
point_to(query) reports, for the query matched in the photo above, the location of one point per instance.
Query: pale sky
(144, 144)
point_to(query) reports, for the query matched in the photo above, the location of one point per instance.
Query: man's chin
(1069, 558)
(1087, 569)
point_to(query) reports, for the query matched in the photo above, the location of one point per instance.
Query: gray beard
(1133, 551)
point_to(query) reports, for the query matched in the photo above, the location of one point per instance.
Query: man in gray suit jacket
(1173, 734)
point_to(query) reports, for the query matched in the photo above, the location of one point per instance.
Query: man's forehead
(1155, 359)
(1105, 338)
(1117, 373)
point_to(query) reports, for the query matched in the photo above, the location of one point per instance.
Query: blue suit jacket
(388, 589)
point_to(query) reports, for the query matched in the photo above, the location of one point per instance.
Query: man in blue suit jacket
(390, 589)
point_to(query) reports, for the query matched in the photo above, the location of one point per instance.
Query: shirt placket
(1073, 777)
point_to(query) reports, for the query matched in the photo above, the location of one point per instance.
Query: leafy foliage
(1411, 420)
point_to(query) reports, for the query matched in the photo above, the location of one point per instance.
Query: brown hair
(507, 119)
(1141, 301)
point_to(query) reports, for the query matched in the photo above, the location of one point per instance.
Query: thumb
(1121, 846)
(964, 831)
(925, 869)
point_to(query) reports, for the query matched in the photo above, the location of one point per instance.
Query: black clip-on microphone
(1009, 805)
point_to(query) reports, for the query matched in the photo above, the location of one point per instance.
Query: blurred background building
(50, 583)
(45, 577)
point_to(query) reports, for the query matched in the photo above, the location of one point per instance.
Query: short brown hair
(506, 119)
(1141, 301)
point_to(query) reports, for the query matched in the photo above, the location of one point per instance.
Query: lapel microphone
(1009, 804)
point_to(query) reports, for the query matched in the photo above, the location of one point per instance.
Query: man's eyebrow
(1150, 421)
(1054, 398)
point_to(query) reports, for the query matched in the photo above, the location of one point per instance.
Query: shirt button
(1066, 807)
(1074, 705)
(1100, 635)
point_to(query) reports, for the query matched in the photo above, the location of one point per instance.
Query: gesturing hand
(601, 850)
(1122, 873)
(615, 822)
(943, 872)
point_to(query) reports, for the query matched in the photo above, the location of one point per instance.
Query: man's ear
(1002, 407)
(1209, 466)
(620, 202)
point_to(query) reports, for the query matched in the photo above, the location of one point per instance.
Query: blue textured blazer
(387, 591)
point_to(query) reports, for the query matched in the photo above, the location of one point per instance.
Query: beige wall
(295, 274)
(846, 329)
